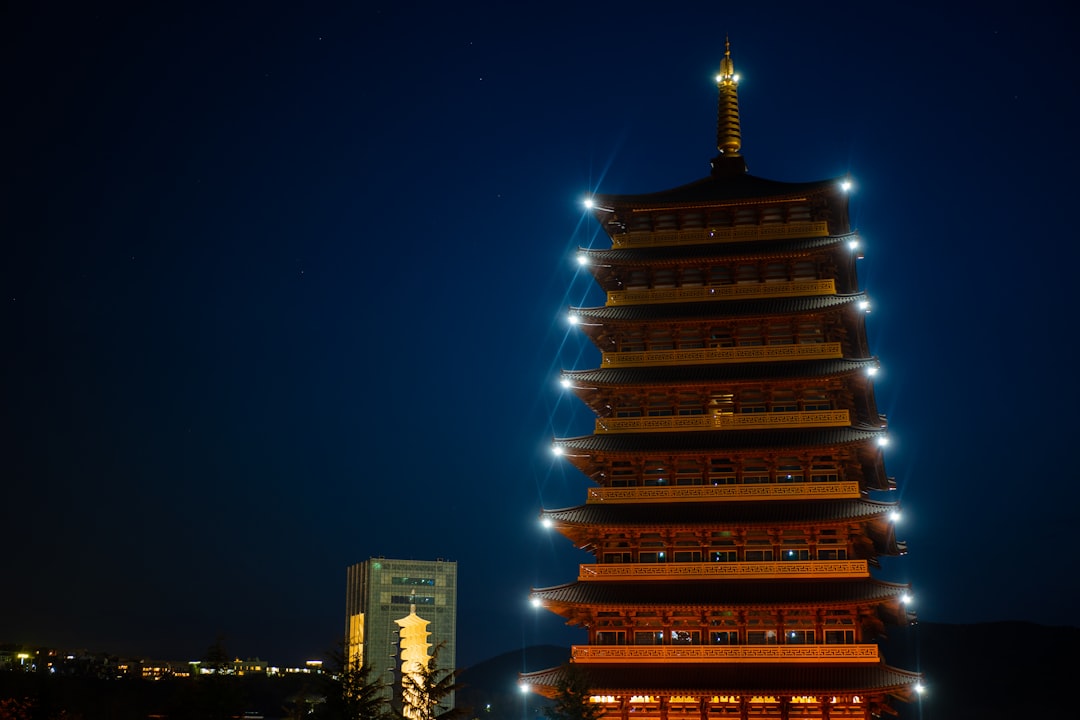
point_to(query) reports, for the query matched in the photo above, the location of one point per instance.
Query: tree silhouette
(572, 696)
(423, 693)
(352, 691)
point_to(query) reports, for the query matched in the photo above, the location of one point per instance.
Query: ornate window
(789, 470)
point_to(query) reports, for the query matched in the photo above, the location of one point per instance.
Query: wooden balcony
(750, 291)
(709, 356)
(726, 570)
(706, 236)
(707, 493)
(735, 421)
(726, 653)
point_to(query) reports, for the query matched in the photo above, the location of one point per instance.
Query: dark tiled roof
(775, 512)
(728, 308)
(735, 679)
(705, 441)
(722, 593)
(725, 251)
(690, 374)
(713, 189)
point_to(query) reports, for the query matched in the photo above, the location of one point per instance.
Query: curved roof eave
(715, 189)
(734, 679)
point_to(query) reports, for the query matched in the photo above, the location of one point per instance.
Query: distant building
(380, 592)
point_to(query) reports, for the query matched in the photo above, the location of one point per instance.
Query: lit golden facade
(736, 456)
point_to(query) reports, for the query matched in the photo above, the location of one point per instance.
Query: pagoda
(739, 505)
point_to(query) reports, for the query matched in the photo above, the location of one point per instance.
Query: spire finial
(728, 134)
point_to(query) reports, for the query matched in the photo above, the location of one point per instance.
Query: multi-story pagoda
(737, 458)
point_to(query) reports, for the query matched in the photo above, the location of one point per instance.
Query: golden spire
(728, 135)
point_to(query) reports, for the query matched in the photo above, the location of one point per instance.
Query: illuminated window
(723, 637)
(816, 399)
(688, 472)
(755, 471)
(610, 637)
(721, 471)
(685, 637)
(789, 470)
(784, 401)
(655, 637)
(751, 401)
(824, 472)
(655, 473)
(622, 474)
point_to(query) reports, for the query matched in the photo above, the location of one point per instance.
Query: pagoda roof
(717, 189)
(711, 309)
(705, 441)
(722, 593)
(719, 372)
(766, 513)
(708, 679)
(722, 251)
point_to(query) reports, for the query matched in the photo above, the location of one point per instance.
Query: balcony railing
(719, 421)
(796, 288)
(705, 493)
(738, 233)
(726, 570)
(725, 653)
(708, 356)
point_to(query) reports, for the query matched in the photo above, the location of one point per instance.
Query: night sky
(284, 288)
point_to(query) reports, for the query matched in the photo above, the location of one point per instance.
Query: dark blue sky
(283, 289)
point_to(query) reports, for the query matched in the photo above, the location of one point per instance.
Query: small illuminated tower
(380, 592)
(740, 501)
(414, 651)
